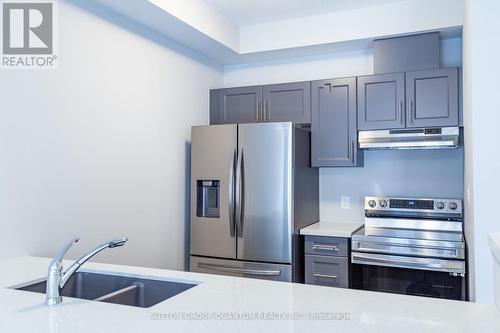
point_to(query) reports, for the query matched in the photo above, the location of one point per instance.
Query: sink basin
(125, 290)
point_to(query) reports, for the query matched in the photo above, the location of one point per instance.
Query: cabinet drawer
(327, 271)
(326, 246)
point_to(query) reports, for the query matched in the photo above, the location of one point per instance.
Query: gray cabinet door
(432, 98)
(381, 101)
(333, 123)
(239, 105)
(326, 271)
(287, 102)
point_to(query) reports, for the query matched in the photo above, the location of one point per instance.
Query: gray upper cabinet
(333, 123)
(432, 98)
(269, 103)
(287, 102)
(381, 101)
(427, 98)
(239, 105)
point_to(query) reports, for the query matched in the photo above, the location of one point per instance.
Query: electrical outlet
(344, 202)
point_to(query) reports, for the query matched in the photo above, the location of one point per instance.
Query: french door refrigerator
(252, 189)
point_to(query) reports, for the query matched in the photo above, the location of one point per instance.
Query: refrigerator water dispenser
(207, 199)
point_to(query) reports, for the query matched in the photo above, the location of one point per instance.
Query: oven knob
(372, 203)
(440, 205)
(383, 203)
(453, 205)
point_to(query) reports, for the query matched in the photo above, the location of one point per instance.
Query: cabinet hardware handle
(401, 112)
(266, 112)
(257, 111)
(410, 111)
(352, 151)
(325, 247)
(318, 275)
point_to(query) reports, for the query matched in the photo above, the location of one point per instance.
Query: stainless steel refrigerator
(252, 189)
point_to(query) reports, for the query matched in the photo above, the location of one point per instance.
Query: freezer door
(264, 192)
(213, 159)
(257, 270)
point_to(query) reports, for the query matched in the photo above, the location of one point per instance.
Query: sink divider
(118, 292)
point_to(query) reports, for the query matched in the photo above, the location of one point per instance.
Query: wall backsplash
(413, 173)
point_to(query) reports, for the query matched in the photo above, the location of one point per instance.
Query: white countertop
(331, 229)
(25, 312)
(494, 242)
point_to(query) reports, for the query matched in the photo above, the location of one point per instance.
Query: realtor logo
(28, 34)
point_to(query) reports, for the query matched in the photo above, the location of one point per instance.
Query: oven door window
(408, 281)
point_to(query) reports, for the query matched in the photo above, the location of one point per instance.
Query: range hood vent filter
(418, 138)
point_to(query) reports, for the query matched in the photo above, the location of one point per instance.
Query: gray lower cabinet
(287, 102)
(334, 124)
(239, 105)
(381, 101)
(327, 261)
(432, 98)
(326, 271)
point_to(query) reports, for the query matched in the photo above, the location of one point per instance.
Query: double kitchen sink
(124, 290)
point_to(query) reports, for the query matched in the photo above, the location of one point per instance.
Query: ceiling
(248, 12)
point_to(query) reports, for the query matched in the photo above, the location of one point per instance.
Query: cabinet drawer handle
(325, 247)
(328, 276)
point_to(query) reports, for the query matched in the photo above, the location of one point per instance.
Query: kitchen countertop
(331, 229)
(25, 312)
(494, 242)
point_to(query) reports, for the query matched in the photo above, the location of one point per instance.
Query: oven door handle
(431, 264)
(408, 249)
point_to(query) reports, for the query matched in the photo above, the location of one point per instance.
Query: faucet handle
(56, 262)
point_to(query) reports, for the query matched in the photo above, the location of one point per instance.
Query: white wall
(203, 17)
(399, 173)
(393, 173)
(481, 119)
(322, 66)
(369, 22)
(98, 148)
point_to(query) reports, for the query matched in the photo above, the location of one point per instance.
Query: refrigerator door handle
(228, 269)
(231, 192)
(239, 194)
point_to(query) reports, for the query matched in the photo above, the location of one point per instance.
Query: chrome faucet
(56, 279)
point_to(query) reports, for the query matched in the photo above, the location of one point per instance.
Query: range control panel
(413, 204)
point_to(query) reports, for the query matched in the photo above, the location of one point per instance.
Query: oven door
(409, 275)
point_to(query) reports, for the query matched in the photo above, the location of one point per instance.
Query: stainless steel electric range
(411, 246)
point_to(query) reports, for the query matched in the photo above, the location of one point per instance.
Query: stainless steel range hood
(414, 138)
